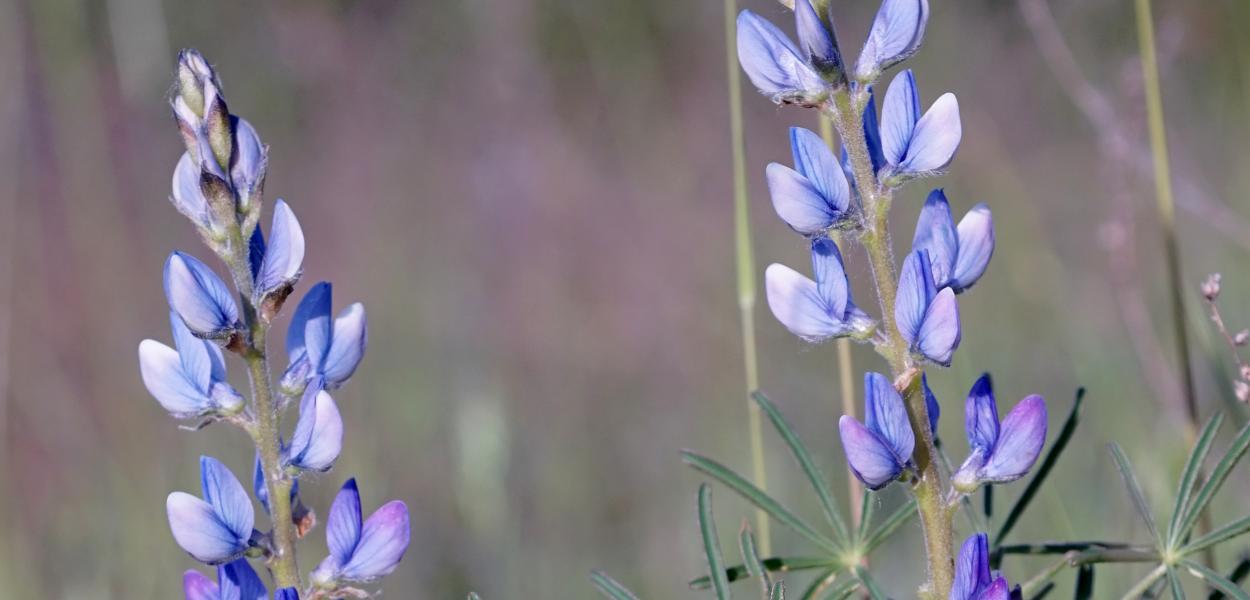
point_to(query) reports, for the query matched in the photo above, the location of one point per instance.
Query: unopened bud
(1211, 287)
(193, 72)
(1242, 390)
(1242, 337)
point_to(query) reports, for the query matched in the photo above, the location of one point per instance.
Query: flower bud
(1242, 337)
(1211, 287)
(193, 72)
(1242, 390)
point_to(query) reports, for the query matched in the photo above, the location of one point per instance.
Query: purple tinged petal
(814, 160)
(896, 34)
(197, 364)
(195, 586)
(976, 246)
(935, 233)
(770, 59)
(935, 139)
(981, 415)
(256, 251)
(284, 256)
(798, 202)
(816, 41)
(899, 113)
(915, 293)
(998, 590)
(318, 436)
(163, 376)
(227, 496)
(931, 404)
(199, 296)
(870, 459)
(187, 197)
(872, 134)
(832, 284)
(972, 568)
(1020, 441)
(383, 541)
(240, 582)
(199, 531)
(248, 163)
(886, 415)
(796, 302)
(343, 525)
(939, 333)
(314, 311)
(350, 338)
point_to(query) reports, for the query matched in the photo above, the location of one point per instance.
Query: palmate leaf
(1214, 580)
(610, 588)
(1134, 489)
(1052, 456)
(756, 496)
(1189, 475)
(1212, 485)
(711, 544)
(775, 565)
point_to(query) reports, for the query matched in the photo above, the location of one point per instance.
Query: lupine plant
(839, 193)
(218, 184)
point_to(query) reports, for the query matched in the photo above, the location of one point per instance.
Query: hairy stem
(744, 256)
(935, 519)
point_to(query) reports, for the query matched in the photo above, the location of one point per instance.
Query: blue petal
(240, 582)
(797, 304)
(344, 523)
(976, 246)
(383, 541)
(814, 160)
(872, 135)
(972, 568)
(816, 41)
(164, 378)
(350, 339)
(899, 113)
(871, 460)
(286, 594)
(996, 591)
(247, 170)
(285, 255)
(896, 34)
(227, 496)
(832, 284)
(935, 139)
(915, 293)
(195, 586)
(318, 435)
(193, 354)
(939, 334)
(886, 415)
(256, 251)
(199, 532)
(199, 296)
(981, 416)
(1019, 443)
(935, 233)
(798, 202)
(931, 404)
(314, 308)
(770, 59)
(187, 196)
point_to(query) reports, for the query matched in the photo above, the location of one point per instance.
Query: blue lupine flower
(818, 43)
(775, 65)
(915, 145)
(973, 578)
(816, 310)
(236, 580)
(927, 318)
(872, 138)
(320, 347)
(188, 196)
(318, 435)
(960, 255)
(283, 255)
(1004, 452)
(896, 34)
(200, 298)
(217, 528)
(248, 163)
(931, 404)
(814, 195)
(188, 382)
(361, 552)
(879, 449)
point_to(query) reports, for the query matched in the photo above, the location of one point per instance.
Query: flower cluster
(218, 184)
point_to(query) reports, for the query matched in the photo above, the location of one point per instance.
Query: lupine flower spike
(361, 552)
(188, 380)
(928, 319)
(896, 34)
(319, 346)
(915, 145)
(236, 580)
(821, 309)
(999, 452)
(200, 298)
(880, 449)
(973, 578)
(958, 256)
(217, 528)
(813, 196)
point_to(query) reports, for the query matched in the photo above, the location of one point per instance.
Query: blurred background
(533, 200)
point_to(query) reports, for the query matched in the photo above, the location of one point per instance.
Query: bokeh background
(532, 198)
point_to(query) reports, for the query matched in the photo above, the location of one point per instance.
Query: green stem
(745, 259)
(935, 518)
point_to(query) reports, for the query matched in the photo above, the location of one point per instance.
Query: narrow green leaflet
(1174, 583)
(1189, 476)
(608, 587)
(866, 507)
(711, 544)
(751, 558)
(814, 476)
(1208, 490)
(756, 496)
(778, 592)
(866, 580)
(1048, 463)
(891, 523)
(823, 586)
(1134, 489)
(1236, 575)
(1215, 580)
(1221, 534)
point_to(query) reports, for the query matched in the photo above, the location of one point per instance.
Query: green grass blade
(1134, 489)
(1084, 589)
(610, 588)
(866, 580)
(778, 592)
(1221, 534)
(1174, 583)
(1213, 483)
(711, 544)
(1189, 475)
(823, 586)
(1048, 463)
(751, 558)
(891, 523)
(1214, 580)
(756, 496)
(813, 473)
(774, 565)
